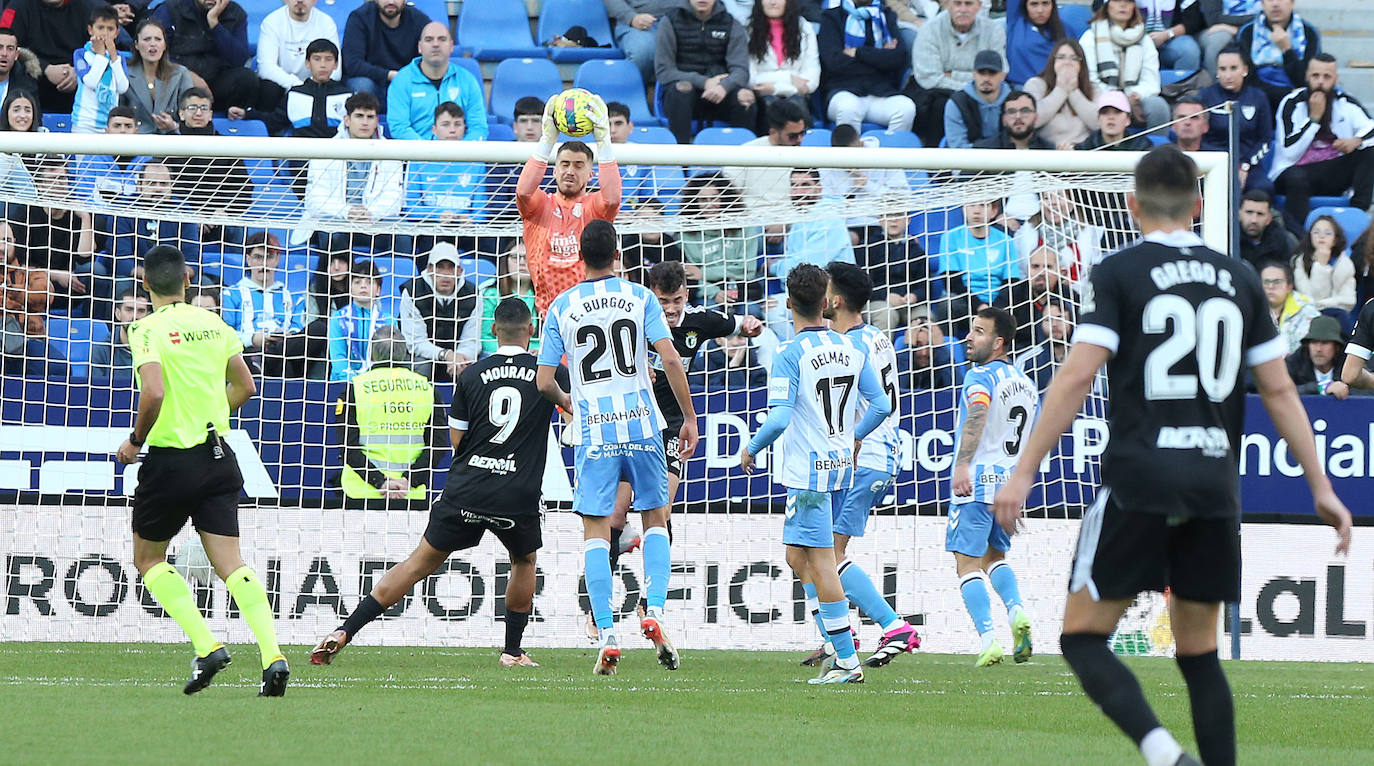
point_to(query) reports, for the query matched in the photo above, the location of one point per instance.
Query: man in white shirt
(282, 40)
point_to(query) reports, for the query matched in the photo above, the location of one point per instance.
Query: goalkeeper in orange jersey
(554, 220)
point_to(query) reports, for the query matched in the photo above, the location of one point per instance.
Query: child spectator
(270, 320)
(977, 259)
(108, 179)
(155, 83)
(448, 192)
(351, 328)
(284, 38)
(314, 108)
(1321, 269)
(512, 280)
(100, 74)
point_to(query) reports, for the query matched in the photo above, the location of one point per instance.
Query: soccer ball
(572, 112)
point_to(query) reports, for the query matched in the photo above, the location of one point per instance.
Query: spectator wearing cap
(14, 65)
(1277, 46)
(1325, 144)
(437, 316)
(1113, 120)
(863, 61)
(379, 39)
(942, 59)
(974, 112)
(1120, 56)
(1317, 363)
(352, 327)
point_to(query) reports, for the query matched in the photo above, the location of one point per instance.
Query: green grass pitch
(111, 703)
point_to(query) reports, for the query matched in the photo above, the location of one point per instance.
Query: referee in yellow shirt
(183, 355)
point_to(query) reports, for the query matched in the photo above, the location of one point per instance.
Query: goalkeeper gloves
(544, 149)
(601, 130)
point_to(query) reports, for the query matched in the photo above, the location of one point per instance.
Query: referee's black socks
(1109, 683)
(1214, 714)
(368, 610)
(515, 631)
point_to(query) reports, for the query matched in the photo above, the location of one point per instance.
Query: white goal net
(299, 243)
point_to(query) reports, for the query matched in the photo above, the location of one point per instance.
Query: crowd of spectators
(950, 71)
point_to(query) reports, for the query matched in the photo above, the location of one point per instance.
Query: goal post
(66, 536)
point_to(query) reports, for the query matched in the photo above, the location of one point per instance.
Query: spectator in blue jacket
(351, 327)
(1277, 45)
(974, 112)
(428, 81)
(268, 317)
(105, 178)
(817, 239)
(161, 220)
(379, 39)
(448, 192)
(1033, 26)
(1253, 116)
(977, 259)
(210, 38)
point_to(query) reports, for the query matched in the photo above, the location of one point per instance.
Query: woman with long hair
(512, 280)
(1119, 56)
(720, 261)
(1065, 97)
(1033, 26)
(155, 83)
(1320, 270)
(20, 113)
(784, 62)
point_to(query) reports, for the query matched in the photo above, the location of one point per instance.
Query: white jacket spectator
(1329, 285)
(334, 187)
(779, 73)
(283, 37)
(1120, 56)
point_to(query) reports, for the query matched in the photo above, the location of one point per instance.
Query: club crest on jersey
(577, 210)
(1248, 112)
(691, 340)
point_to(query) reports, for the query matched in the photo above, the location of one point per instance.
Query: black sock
(515, 631)
(1109, 683)
(668, 525)
(368, 610)
(1214, 713)
(615, 547)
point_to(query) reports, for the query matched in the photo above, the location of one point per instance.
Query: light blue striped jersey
(818, 373)
(100, 79)
(882, 448)
(1011, 399)
(605, 326)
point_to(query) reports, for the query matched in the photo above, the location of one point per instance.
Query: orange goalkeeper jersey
(553, 228)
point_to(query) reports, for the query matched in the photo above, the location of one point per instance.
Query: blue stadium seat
(337, 10)
(616, 80)
(474, 68)
(1352, 220)
(723, 136)
(58, 123)
(816, 137)
(478, 271)
(1157, 138)
(436, 10)
(896, 139)
(261, 170)
(257, 10)
(652, 135)
(1075, 18)
(1171, 76)
(491, 30)
(557, 16)
(516, 78)
(499, 132)
(73, 337)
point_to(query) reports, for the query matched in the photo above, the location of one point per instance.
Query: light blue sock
(835, 618)
(813, 605)
(596, 555)
(1004, 582)
(976, 600)
(657, 567)
(859, 589)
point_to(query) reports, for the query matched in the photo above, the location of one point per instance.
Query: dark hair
(164, 267)
(121, 111)
(806, 288)
(851, 283)
(844, 135)
(1259, 195)
(1100, 14)
(132, 291)
(1002, 324)
(511, 315)
(1166, 183)
(1324, 57)
(1012, 96)
(321, 45)
(781, 112)
(504, 285)
(617, 109)
(364, 267)
(666, 277)
(1234, 49)
(528, 105)
(1305, 249)
(731, 201)
(362, 101)
(261, 239)
(193, 93)
(203, 291)
(1085, 83)
(576, 147)
(1055, 26)
(1189, 99)
(599, 244)
(165, 67)
(103, 13)
(14, 95)
(1272, 264)
(761, 37)
(451, 109)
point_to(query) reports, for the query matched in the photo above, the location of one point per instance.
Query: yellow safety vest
(394, 406)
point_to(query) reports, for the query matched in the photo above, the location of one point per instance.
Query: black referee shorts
(177, 484)
(452, 528)
(1122, 552)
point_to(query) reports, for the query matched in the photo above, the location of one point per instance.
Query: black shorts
(177, 484)
(452, 528)
(1121, 553)
(670, 448)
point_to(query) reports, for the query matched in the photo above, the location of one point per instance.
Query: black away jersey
(499, 466)
(698, 326)
(1180, 321)
(1362, 340)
